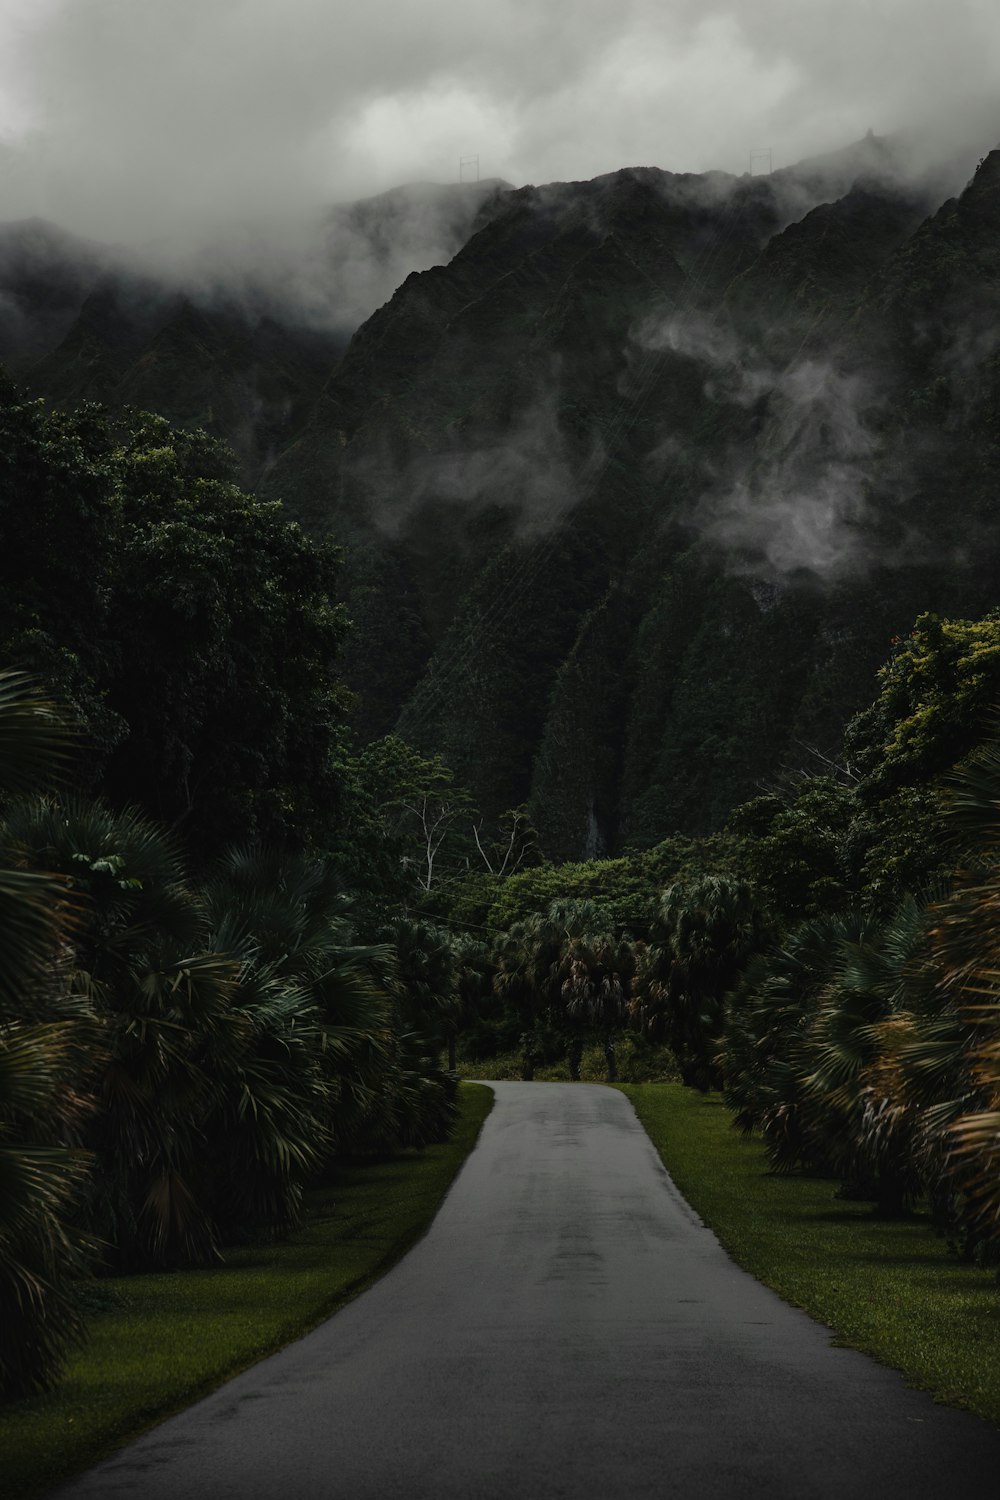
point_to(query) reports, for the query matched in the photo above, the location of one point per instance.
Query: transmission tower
(761, 162)
(470, 164)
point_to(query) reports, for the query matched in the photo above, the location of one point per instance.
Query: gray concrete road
(566, 1328)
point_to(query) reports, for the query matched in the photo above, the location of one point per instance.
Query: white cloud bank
(148, 118)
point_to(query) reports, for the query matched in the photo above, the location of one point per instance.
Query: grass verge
(889, 1288)
(159, 1342)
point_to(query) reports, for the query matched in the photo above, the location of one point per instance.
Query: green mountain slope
(635, 462)
(635, 488)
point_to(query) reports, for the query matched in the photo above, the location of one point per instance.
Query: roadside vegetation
(158, 1342)
(240, 951)
(213, 991)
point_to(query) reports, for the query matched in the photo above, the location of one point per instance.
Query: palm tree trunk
(574, 1058)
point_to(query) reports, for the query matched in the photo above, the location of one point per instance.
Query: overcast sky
(129, 118)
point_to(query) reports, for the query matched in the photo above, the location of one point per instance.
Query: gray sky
(133, 118)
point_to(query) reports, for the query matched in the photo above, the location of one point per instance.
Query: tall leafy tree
(192, 627)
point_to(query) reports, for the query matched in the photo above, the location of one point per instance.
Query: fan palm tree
(353, 1060)
(428, 1013)
(822, 1037)
(309, 1076)
(45, 1045)
(597, 973)
(854, 1090)
(157, 991)
(706, 930)
(966, 938)
(530, 978)
(427, 975)
(474, 973)
(766, 1038)
(514, 986)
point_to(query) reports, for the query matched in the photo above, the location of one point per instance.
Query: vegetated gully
(566, 1327)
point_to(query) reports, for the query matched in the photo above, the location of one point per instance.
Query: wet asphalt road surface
(566, 1328)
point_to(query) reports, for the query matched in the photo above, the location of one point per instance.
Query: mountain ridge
(635, 488)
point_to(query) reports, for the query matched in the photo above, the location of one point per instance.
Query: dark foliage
(189, 626)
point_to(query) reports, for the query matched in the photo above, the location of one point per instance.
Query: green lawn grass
(156, 1343)
(890, 1288)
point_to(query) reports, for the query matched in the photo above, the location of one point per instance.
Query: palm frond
(36, 736)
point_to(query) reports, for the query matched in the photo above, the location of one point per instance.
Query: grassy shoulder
(888, 1288)
(157, 1343)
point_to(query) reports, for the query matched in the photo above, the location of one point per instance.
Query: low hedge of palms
(178, 1058)
(870, 1048)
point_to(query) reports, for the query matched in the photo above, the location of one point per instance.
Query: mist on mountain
(236, 334)
(634, 475)
(326, 272)
(714, 230)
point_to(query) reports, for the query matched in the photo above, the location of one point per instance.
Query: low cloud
(532, 470)
(152, 122)
(329, 271)
(799, 500)
(804, 509)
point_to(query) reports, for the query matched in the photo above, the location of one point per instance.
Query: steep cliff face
(238, 336)
(863, 491)
(45, 278)
(636, 488)
(639, 461)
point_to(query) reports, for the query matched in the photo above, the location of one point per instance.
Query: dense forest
(595, 655)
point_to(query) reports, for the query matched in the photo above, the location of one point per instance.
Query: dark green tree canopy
(191, 627)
